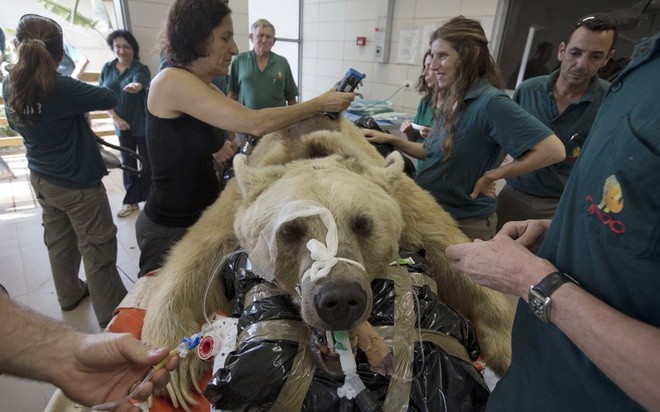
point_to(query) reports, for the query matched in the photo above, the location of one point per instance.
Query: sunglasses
(583, 20)
(599, 21)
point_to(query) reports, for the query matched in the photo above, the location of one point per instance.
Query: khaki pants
(479, 227)
(78, 225)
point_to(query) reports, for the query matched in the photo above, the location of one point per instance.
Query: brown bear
(320, 213)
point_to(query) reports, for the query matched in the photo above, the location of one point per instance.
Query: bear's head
(322, 230)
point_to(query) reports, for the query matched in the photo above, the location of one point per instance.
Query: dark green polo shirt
(256, 89)
(572, 126)
(490, 121)
(606, 235)
(60, 145)
(423, 117)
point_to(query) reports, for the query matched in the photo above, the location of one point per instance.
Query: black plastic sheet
(255, 373)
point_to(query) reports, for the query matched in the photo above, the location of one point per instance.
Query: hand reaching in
(528, 233)
(106, 367)
(225, 154)
(374, 136)
(133, 87)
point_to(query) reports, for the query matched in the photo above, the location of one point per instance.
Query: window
(285, 16)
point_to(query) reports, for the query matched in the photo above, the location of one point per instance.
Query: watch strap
(539, 294)
(552, 282)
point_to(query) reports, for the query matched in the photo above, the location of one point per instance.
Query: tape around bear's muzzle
(324, 256)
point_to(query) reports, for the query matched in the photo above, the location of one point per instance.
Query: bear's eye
(317, 150)
(293, 231)
(362, 225)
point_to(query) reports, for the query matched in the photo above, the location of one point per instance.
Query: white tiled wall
(330, 28)
(148, 19)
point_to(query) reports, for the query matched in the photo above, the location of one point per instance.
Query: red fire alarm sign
(361, 41)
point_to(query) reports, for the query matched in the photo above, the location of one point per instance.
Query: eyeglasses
(39, 16)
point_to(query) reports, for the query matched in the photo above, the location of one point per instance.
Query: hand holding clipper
(352, 79)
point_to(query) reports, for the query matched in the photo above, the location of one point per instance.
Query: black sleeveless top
(184, 180)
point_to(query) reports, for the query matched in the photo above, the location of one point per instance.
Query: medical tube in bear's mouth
(353, 386)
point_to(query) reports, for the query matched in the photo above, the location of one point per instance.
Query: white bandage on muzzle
(324, 256)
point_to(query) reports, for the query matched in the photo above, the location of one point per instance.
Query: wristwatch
(539, 294)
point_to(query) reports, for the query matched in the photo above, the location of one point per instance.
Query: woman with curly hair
(129, 79)
(182, 109)
(475, 125)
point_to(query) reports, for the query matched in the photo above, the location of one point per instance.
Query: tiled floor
(25, 270)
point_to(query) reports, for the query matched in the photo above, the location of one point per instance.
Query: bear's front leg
(177, 304)
(427, 226)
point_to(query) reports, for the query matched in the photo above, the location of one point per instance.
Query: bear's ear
(251, 179)
(392, 170)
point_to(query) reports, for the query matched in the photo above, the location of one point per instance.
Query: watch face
(538, 304)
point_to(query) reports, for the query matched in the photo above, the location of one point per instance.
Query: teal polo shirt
(572, 126)
(131, 106)
(256, 89)
(423, 117)
(490, 122)
(608, 239)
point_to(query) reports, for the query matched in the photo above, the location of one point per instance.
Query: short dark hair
(598, 22)
(129, 38)
(188, 28)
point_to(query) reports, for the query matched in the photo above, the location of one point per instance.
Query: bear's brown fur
(377, 209)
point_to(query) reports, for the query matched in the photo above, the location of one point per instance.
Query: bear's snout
(341, 305)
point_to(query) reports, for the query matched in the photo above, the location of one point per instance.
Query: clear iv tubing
(214, 273)
(181, 350)
(134, 392)
(132, 395)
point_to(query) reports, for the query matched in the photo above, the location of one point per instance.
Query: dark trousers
(154, 241)
(514, 205)
(137, 187)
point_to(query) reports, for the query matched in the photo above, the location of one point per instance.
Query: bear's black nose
(341, 305)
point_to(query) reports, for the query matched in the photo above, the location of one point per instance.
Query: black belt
(534, 196)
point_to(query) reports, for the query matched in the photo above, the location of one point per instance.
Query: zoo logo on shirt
(27, 109)
(612, 202)
(574, 146)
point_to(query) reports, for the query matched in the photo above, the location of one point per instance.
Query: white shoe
(127, 210)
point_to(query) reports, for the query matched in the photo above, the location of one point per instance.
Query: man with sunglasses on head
(566, 101)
